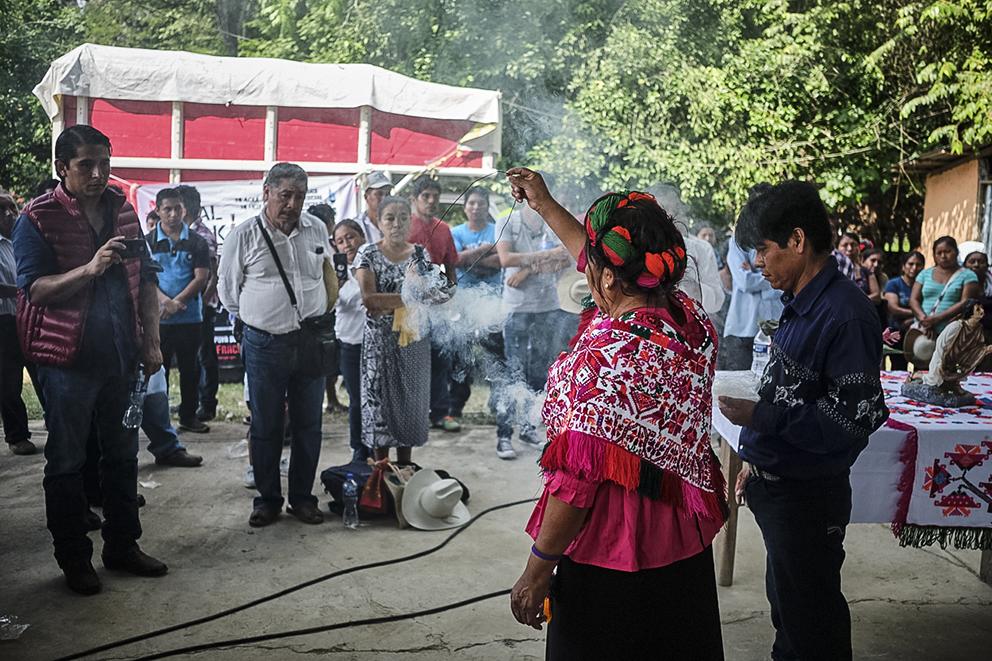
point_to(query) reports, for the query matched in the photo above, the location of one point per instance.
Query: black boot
(133, 561)
(81, 577)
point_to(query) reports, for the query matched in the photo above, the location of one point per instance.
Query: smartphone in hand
(134, 249)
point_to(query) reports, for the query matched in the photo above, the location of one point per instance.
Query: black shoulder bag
(316, 354)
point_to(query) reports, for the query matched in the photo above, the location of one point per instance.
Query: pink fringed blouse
(624, 530)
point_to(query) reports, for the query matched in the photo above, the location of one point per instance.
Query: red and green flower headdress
(617, 246)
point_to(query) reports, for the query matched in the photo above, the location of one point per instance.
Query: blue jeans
(76, 398)
(273, 379)
(440, 375)
(156, 420)
(351, 370)
(532, 341)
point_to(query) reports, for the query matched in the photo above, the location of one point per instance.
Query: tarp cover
(139, 74)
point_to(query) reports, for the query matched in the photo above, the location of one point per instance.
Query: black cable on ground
(295, 588)
(234, 642)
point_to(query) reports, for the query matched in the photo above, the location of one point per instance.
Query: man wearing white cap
(377, 186)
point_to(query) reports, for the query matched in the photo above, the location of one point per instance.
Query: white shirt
(8, 274)
(539, 292)
(702, 277)
(350, 324)
(372, 233)
(248, 280)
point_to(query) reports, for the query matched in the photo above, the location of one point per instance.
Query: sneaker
(447, 423)
(24, 447)
(249, 478)
(284, 466)
(194, 425)
(504, 449)
(532, 442)
(180, 458)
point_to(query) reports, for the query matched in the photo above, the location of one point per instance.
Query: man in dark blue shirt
(819, 400)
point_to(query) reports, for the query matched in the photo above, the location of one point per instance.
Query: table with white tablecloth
(927, 471)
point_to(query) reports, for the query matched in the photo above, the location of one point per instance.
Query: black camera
(341, 266)
(134, 249)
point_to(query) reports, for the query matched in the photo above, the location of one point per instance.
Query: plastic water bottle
(136, 400)
(350, 492)
(760, 354)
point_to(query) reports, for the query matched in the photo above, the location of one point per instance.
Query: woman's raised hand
(526, 184)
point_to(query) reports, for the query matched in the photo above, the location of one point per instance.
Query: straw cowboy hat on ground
(572, 290)
(433, 503)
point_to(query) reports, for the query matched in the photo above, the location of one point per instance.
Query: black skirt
(666, 613)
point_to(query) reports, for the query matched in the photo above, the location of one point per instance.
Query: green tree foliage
(711, 95)
(36, 32)
(952, 44)
(718, 96)
(528, 51)
(189, 25)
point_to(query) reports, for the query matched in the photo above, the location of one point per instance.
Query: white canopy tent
(91, 72)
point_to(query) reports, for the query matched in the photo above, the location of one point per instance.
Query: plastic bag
(10, 629)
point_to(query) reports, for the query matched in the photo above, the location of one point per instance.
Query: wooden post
(176, 141)
(985, 567)
(725, 544)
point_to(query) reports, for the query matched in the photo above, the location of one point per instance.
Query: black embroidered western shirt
(820, 396)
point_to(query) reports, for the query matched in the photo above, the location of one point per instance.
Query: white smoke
(461, 326)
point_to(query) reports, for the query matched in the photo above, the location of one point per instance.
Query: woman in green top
(940, 292)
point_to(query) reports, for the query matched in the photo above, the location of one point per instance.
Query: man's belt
(265, 332)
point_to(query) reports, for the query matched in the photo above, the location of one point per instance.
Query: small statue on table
(959, 349)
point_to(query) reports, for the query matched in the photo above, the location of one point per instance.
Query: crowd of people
(913, 298)
(633, 492)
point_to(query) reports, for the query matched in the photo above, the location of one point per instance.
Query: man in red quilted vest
(87, 315)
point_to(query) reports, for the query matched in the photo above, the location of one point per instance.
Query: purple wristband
(543, 556)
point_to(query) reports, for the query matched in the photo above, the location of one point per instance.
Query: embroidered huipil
(628, 428)
(820, 396)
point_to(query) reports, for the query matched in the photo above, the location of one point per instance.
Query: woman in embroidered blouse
(940, 292)
(395, 360)
(633, 493)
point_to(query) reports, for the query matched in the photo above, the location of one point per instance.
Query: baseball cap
(376, 179)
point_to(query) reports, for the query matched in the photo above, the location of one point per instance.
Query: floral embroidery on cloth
(632, 404)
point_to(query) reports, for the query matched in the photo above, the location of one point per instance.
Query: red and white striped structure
(174, 116)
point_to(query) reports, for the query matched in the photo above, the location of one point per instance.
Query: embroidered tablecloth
(928, 470)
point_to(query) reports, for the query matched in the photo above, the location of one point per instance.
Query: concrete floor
(906, 603)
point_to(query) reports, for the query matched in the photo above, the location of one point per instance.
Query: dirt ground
(906, 603)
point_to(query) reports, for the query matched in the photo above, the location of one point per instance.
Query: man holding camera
(86, 315)
(185, 260)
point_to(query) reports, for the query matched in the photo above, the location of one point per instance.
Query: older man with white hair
(280, 240)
